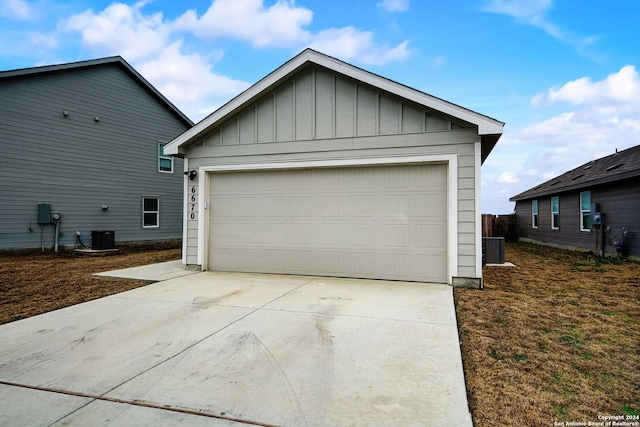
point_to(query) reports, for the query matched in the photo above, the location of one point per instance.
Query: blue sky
(562, 75)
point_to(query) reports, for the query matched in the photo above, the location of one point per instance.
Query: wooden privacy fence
(500, 226)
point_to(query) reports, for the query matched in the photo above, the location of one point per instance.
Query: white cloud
(121, 29)
(187, 80)
(532, 12)
(621, 87)
(151, 44)
(352, 44)
(278, 25)
(394, 5)
(507, 178)
(16, 9)
(527, 11)
(42, 41)
(603, 117)
(283, 25)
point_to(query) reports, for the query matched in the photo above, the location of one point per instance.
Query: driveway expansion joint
(139, 403)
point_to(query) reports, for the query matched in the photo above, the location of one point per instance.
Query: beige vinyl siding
(467, 215)
(431, 143)
(317, 104)
(336, 118)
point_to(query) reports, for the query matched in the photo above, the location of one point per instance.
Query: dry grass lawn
(555, 339)
(33, 282)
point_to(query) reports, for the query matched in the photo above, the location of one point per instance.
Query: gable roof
(489, 128)
(118, 60)
(615, 167)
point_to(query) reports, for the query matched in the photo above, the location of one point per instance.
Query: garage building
(322, 168)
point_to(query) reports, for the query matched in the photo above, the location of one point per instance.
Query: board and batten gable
(79, 137)
(317, 116)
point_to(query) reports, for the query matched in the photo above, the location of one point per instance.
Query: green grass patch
(628, 410)
(494, 354)
(543, 346)
(573, 340)
(561, 412)
(595, 264)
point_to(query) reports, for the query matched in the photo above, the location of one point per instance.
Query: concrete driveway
(232, 349)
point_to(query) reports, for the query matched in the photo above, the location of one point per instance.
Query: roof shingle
(615, 167)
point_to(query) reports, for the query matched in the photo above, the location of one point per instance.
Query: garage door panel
(231, 259)
(301, 206)
(430, 236)
(361, 206)
(398, 236)
(429, 205)
(361, 235)
(397, 206)
(232, 233)
(396, 178)
(372, 222)
(274, 207)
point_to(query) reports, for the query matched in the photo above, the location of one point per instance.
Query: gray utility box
(44, 213)
(492, 250)
(103, 239)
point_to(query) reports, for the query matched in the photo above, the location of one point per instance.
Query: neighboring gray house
(85, 141)
(323, 168)
(593, 207)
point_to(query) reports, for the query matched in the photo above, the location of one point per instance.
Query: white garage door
(386, 222)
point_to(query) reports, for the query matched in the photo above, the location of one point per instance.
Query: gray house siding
(102, 151)
(619, 202)
(341, 118)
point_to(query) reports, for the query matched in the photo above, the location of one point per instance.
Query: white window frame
(148, 212)
(161, 157)
(585, 211)
(555, 225)
(535, 217)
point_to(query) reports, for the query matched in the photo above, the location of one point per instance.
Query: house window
(150, 212)
(534, 213)
(585, 211)
(165, 163)
(555, 213)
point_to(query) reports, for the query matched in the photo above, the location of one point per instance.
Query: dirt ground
(32, 282)
(555, 339)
